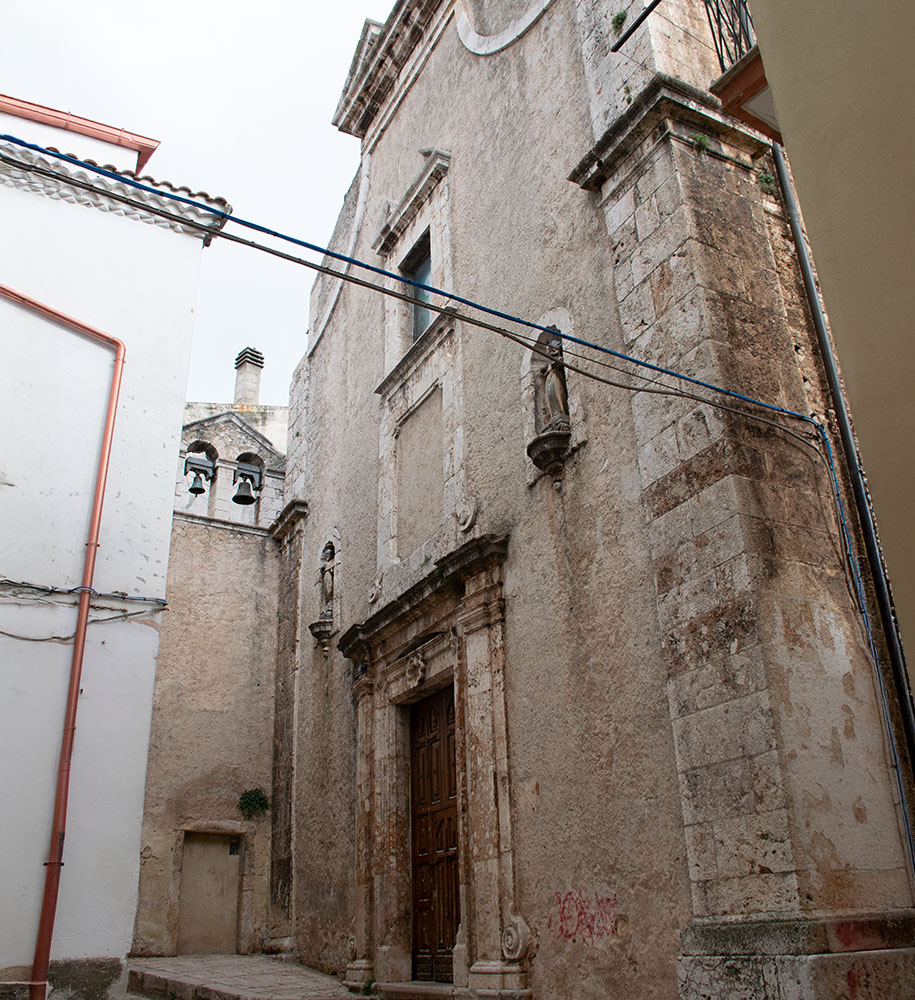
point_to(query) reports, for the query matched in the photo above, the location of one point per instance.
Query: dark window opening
(418, 267)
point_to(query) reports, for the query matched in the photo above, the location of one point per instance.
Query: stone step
(230, 977)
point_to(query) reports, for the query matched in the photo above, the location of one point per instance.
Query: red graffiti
(851, 980)
(580, 916)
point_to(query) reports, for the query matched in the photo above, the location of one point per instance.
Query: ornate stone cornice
(221, 523)
(794, 935)
(64, 181)
(440, 328)
(292, 514)
(663, 97)
(447, 573)
(381, 55)
(436, 165)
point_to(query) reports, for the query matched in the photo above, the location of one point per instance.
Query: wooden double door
(436, 900)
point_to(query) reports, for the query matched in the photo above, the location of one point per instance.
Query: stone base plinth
(359, 972)
(864, 957)
(506, 980)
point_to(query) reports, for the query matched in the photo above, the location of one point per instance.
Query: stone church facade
(585, 709)
(571, 699)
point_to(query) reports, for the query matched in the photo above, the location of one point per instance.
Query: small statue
(555, 396)
(549, 447)
(327, 580)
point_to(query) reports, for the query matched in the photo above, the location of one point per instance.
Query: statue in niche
(328, 554)
(554, 397)
(553, 431)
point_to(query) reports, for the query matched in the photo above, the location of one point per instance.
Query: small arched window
(249, 477)
(200, 465)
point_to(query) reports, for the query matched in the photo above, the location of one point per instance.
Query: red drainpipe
(39, 978)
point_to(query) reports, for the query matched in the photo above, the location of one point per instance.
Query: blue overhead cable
(345, 258)
(681, 376)
(256, 227)
(819, 429)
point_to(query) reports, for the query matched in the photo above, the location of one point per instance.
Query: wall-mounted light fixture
(202, 468)
(248, 478)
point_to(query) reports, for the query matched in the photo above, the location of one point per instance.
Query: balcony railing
(732, 30)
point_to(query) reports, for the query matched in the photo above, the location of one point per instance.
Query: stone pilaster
(770, 687)
(360, 968)
(289, 534)
(500, 936)
(393, 891)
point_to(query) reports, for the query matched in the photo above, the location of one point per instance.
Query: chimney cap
(249, 355)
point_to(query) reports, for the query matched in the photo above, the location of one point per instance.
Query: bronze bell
(197, 486)
(244, 496)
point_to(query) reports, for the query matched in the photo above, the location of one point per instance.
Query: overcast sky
(240, 96)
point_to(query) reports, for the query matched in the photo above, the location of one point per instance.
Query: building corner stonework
(740, 522)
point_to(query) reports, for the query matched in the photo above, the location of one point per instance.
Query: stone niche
(446, 631)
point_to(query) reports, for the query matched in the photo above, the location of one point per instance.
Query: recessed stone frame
(433, 363)
(446, 630)
(247, 939)
(424, 210)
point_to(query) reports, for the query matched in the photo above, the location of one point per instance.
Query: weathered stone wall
(271, 421)
(666, 712)
(212, 722)
(770, 681)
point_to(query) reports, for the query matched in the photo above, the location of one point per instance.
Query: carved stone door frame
(448, 629)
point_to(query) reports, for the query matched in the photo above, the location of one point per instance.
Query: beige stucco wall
(212, 725)
(838, 75)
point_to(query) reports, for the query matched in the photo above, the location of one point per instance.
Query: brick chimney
(248, 367)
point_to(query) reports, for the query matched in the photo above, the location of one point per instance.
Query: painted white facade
(136, 280)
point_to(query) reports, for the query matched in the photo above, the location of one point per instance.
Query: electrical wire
(452, 311)
(92, 621)
(818, 429)
(353, 261)
(687, 32)
(48, 589)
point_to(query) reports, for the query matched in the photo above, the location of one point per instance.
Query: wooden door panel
(436, 903)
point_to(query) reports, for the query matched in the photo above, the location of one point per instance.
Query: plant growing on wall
(618, 20)
(253, 802)
(766, 182)
(701, 143)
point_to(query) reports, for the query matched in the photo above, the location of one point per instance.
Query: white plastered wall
(138, 282)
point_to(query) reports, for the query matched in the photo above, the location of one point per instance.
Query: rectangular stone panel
(420, 491)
